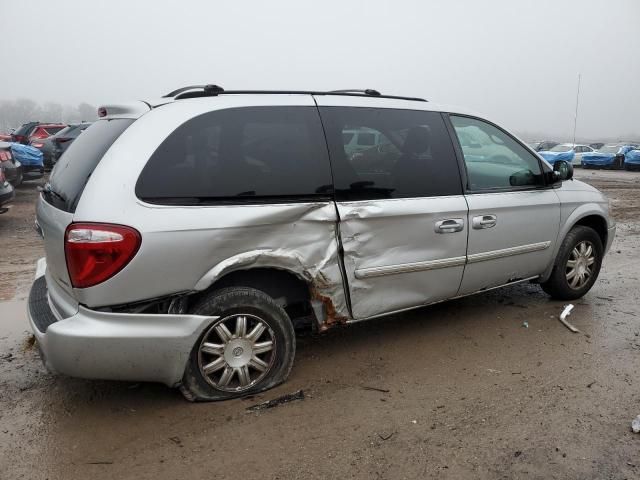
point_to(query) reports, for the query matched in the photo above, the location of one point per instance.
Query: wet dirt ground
(465, 389)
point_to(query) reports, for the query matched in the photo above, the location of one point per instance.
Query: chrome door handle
(449, 225)
(484, 221)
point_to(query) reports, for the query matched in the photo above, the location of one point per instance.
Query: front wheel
(577, 265)
(248, 349)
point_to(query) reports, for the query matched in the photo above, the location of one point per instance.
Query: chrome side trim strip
(380, 315)
(409, 267)
(507, 252)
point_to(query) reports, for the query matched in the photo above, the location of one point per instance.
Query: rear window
(53, 130)
(74, 168)
(240, 155)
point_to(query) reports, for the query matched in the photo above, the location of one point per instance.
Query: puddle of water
(14, 325)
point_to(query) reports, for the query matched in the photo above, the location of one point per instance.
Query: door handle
(484, 221)
(449, 225)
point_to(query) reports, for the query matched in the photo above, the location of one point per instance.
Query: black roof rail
(196, 91)
(368, 91)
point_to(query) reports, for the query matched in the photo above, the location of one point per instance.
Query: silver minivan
(187, 237)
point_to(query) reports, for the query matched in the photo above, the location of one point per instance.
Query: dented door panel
(395, 259)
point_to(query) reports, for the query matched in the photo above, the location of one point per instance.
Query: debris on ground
(591, 384)
(375, 389)
(563, 318)
(525, 324)
(635, 425)
(385, 437)
(290, 397)
(176, 440)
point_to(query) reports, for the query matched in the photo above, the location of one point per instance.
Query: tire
(619, 163)
(558, 286)
(240, 353)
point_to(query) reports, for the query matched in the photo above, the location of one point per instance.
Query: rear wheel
(577, 264)
(248, 349)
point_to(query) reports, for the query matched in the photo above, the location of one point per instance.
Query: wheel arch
(284, 277)
(590, 215)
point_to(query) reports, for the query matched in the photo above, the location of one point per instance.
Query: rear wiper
(48, 190)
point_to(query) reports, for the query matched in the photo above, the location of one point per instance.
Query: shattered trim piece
(563, 316)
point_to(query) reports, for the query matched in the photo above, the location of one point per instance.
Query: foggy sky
(515, 61)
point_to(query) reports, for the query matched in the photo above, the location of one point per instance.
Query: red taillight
(95, 252)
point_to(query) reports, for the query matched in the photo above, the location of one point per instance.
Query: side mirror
(563, 170)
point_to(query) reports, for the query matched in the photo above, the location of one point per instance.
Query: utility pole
(575, 118)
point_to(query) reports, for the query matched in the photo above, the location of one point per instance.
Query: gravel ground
(457, 390)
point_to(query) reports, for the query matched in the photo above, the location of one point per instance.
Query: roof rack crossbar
(196, 91)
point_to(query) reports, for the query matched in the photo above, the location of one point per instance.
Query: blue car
(632, 159)
(609, 156)
(564, 151)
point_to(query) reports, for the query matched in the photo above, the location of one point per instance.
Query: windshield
(609, 149)
(561, 148)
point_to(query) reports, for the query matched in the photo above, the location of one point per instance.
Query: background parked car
(55, 145)
(6, 137)
(609, 156)
(542, 146)
(567, 151)
(6, 192)
(31, 160)
(33, 130)
(11, 167)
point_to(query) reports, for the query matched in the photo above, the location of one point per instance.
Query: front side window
(561, 148)
(398, 153)
(495, 160)
(240, 154)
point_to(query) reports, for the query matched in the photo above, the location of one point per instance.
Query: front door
(403, 217)
(514, 217)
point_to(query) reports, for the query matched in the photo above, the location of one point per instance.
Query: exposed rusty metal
(330, 315)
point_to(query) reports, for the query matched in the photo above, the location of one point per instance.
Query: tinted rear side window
(74, 168)
(240, 155)
(408, 153)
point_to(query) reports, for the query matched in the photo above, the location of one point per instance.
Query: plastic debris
(635, 425)
(299, 395)
(525, 324)
(563, 318)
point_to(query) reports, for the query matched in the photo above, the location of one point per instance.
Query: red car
(35, 130)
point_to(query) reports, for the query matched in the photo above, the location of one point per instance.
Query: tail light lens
(95, 252)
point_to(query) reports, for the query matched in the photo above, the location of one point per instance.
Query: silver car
(186, 237)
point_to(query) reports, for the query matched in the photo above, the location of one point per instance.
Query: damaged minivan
(187, 237)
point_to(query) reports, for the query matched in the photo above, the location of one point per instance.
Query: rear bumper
(110, 346)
